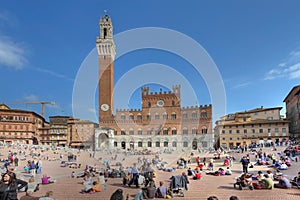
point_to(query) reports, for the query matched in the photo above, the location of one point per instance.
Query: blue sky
(254, 44)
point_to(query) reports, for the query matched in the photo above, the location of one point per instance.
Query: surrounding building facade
(258, 126)
(292, 102)
(81, 133)
(20, 126)
(160, 123)
(57, 133)
(66, 131)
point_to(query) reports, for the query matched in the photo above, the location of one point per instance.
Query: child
(73, 175)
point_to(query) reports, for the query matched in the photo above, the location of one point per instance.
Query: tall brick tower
(106, 54)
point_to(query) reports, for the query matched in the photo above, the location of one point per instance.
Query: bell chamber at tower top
(104, 42)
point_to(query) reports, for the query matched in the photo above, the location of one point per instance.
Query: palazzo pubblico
(160, 124)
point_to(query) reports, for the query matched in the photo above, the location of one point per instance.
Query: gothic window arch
(166, 131)
(157, 144)
(156, 116)
(194, 130)
(165, 116)
(123, 117)
(140, 132)
(131, 116)
(185, 144)
(173, 115)
(185, 131)
(166, 143)
(148, 116)
(131, 131)
(174, 144)
(174, 131)
(140, 144)
(204, 130)
(123, 132)
(139, 117)
(149, 104)
(194, 115)
(203, 114)
(184, 115)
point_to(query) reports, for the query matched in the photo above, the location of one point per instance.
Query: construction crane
(37, 102)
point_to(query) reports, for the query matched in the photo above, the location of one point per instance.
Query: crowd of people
(16, 179)
(142, 173)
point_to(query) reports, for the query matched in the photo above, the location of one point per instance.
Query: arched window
(149, 131)
(194, 115)
(123, 117)
(157, 131)
(173, 103)
(173, 115)
(123, 132)
(139, 117)
(166, 144)
(165, 131)
(157, 144)
(140, 132)
(203, 114)
(185, 144)
(148, 116)
(149, 104)
(131, 132)
(184, 115)
(174, 144)
(131, 117)
(185, 131)
(140, 144)
(149, 144)
(165, 116)
(194, 131)
(156, 116)
(174, 131)
(204, 130)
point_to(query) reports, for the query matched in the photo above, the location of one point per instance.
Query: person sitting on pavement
(271, 175)
(190, 172)
(96, 187)
(283, 182)
(161, 191)
(87, 186)
(197, 175)
(228, 171)
(221, 171)
(296, 181)
(47, 180)
(259, 176)
(267, 182)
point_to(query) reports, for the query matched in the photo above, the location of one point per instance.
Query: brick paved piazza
(69, 188)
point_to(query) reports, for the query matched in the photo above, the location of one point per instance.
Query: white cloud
(290, 68)
(31, 98)
(92, 110)
(52, 73)
(7, 19)
(11, 54)
(241, 85)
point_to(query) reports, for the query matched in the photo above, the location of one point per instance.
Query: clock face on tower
(160, 103)
(104, 107)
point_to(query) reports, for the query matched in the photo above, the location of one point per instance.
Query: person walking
(135, 172)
